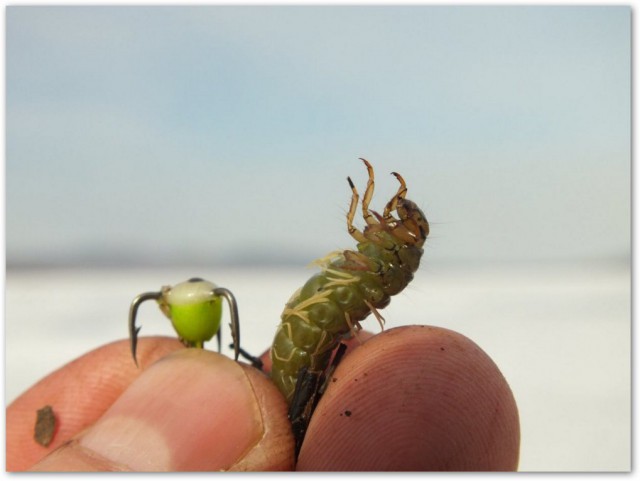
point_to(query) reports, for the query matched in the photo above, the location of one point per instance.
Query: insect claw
(351, 184)
(402, 191)
(366, 162)
(133, 310)
(381, 219)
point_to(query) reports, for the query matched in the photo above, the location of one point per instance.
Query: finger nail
(192, 411)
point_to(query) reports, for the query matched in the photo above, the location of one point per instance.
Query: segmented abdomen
(333, 302)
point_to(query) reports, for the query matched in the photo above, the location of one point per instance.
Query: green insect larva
(194, 308)
(350, 286)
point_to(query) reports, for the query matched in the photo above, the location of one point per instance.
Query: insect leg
(393, 203)
(235, 319)
(337, 357)
(355, 233)
(133, 311)
(352, 328)
(368, 195)
(377, 314)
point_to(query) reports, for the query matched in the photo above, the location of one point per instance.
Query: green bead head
(194, 310)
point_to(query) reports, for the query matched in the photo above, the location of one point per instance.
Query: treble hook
(133, 311)
(235, 320)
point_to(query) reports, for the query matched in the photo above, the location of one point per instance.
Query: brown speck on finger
(45, 426)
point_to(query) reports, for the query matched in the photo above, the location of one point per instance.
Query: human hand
(415, 398)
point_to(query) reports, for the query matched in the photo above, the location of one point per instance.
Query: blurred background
(149, 145)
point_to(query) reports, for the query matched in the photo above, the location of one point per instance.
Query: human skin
(415, 398)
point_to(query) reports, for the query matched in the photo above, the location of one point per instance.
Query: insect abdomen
(328, 306)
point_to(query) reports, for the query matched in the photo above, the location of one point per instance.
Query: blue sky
(220, 134)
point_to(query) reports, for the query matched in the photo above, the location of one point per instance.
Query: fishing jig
(194, 308)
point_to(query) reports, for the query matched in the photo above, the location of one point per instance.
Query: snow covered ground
(560, 333)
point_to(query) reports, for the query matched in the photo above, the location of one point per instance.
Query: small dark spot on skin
(45, 426)
(347, 413)
(334, 379)
(442, 348)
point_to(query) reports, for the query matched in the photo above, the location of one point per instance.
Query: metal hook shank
(235, 318)
(133, 310)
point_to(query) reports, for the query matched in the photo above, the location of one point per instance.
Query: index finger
(414, 398)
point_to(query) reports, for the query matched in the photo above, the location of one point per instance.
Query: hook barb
(133, 311)
(235, 318)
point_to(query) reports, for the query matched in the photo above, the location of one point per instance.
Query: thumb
(193, 410)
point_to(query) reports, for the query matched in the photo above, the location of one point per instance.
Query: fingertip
(194, 410)
(415, 398)
(275, 449)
